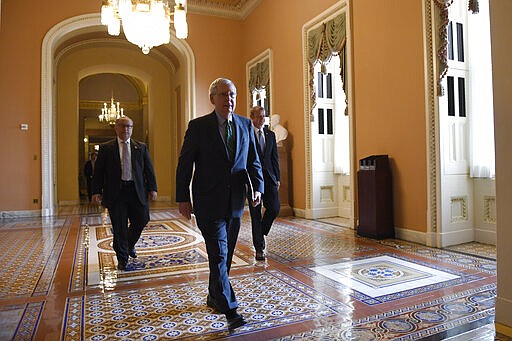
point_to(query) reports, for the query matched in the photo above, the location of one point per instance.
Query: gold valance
(259, 76)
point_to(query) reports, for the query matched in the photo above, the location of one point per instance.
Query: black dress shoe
(121, 266)
(260, 255)
(210, 303)
(235, 321)
(132, 253)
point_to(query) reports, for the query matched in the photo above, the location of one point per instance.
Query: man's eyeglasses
(227, 94)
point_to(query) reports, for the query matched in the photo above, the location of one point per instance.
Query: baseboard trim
(410, 235)
(319, 213)
(503, 329)
(503, 315)
(457, 237)
(485, 236)
(20, 214)
(299, 212)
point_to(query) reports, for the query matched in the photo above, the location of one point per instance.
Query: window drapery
(327, 40)
(259, 77)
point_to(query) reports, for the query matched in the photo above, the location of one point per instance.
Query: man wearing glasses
(123, 181)
(219, 156)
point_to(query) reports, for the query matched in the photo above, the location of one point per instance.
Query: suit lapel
(115, 151)
(238, 133)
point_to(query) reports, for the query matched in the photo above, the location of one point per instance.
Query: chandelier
(146, 23)
(110, 115)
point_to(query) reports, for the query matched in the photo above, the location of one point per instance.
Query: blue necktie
(230, 143)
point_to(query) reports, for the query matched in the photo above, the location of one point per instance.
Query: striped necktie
(230, 143)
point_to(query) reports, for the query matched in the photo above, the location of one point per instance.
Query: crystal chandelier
(109, 115)
(146, 23)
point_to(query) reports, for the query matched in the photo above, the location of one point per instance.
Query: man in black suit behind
(88, 173)
(267, 149)
(219, 149)
(123, 180)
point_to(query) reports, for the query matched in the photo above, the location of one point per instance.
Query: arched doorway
(79, 38)
(98, 91)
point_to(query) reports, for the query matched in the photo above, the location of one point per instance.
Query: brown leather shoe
(260, 255)
(121, 266)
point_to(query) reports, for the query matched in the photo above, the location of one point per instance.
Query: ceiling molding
(233, 9)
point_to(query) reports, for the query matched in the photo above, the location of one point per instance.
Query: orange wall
(21, 38)
(389, 99)
(217, 45)
(387, 120)
(278, 25)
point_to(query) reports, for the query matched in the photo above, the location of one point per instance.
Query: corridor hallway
(58, 281)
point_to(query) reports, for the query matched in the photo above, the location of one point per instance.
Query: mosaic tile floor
(320, 282)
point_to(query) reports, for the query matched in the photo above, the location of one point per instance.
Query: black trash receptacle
(375, 198)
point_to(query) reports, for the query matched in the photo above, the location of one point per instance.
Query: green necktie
(230, 143)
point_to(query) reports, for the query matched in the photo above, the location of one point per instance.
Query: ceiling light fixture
(110, 115)
(146, 23)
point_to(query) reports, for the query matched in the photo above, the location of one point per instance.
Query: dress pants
(220, 238)
(261, 225)
(127, 207)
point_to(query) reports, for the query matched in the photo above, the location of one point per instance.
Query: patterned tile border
(416, 322)
(267, 299)
(181, 251)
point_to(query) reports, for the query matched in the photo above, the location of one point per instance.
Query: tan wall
(389, 104)
(502, 83)
(217, 46)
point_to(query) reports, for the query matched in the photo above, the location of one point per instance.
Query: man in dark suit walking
(219, 149)
(123, 180)
(267, 149)
(88, 173)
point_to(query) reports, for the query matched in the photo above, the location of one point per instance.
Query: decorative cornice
(233, 9)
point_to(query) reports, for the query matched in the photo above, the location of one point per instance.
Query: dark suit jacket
(218, 186)
(107, 172)
(270, 159)
(88, 170)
